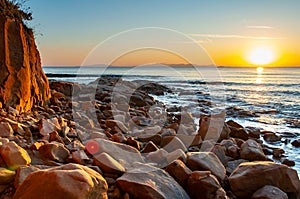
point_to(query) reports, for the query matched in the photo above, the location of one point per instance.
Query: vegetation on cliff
(13, 9)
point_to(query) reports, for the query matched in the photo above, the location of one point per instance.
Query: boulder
(47, 126)
(145, 181)
(147, 134)
(23, 82)
(152, 87)
(251, 150)
(271, 137)
(269, 192)
(206, 161)
(14, 156)
(115, 123)
(172, 143)
(6, 130)
(80, 157)
(67, 181)
(22, 173)
(234, 124)
(65, 88)
(264, 173)
(179, 171)
(54, 151)
(296, 143)
(238, 133)
(220, 150)
(108, 164)
(124, 154)
(203, 185)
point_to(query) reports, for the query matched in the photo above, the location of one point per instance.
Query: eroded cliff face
(23, 83)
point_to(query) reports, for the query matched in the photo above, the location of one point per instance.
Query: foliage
(13, 9)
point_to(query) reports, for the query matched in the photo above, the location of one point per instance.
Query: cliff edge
(23, 83)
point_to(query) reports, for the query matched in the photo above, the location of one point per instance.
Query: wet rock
(126, 155)
(271, 137)
(288, 162)
(152, 87)
(6, 176)
(234, 124)
(278, 152)
(269, 192)
(144, 181)
(67, 181)
(108, 164)
(137, 100)
(206, 161)
(296, 143)
(201, 184)
(253, 132)
(6, 130)
(14, 156)
(251, 150)
(239, 133)
(54, 151)
(174, 109)
(264, 173)
(179, 171)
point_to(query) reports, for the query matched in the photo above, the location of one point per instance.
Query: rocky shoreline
(112, 139)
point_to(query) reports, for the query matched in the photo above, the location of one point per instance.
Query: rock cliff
(23, 83)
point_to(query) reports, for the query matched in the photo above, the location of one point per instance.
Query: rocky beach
(112, 138)
(130, 151)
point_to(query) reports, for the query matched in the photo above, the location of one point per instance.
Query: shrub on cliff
(13, 9)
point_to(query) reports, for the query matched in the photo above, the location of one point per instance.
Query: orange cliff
(23, 83)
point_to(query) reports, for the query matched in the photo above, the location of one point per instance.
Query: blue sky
(71, 28)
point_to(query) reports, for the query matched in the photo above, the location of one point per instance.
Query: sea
(265, 98)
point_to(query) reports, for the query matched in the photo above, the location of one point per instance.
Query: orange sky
(228, 30)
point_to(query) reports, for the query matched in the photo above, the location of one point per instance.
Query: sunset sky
(234, 33)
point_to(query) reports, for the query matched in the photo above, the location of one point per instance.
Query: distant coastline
(171, 65)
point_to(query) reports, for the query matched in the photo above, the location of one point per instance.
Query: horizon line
(173, 65)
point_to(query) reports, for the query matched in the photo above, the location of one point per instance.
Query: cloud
(233, 36)
(259, 27)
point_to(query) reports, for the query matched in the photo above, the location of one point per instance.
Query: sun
(261, 56)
